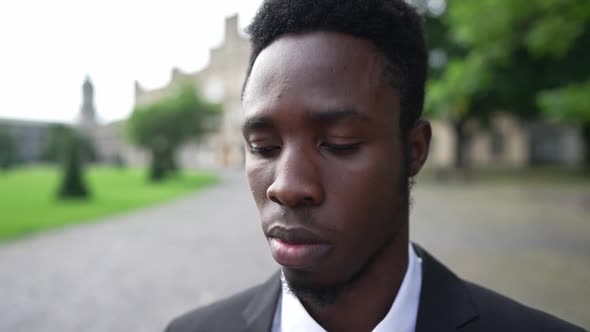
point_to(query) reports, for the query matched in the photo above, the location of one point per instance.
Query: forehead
(319, 70)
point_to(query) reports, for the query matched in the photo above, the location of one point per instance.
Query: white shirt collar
(291, 316)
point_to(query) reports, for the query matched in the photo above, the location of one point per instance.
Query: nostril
(275, 199)
(307, 201)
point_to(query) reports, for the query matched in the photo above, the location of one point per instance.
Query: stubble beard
(321, 295)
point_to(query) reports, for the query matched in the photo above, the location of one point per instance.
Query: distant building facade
(505, 143)
(107, 140)
(220, 82)
(30, 137)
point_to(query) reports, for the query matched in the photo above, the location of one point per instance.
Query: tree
(454, 80)
(60, 135)
(161, 127)
(529, 58)
(73, 184)
(55, 144)
(8, 152)
(569, 104)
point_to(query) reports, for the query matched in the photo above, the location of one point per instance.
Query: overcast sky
(48, 47)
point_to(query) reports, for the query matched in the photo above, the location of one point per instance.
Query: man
(332, 104)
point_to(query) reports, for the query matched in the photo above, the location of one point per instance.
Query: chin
(318, 290)
(315, 277)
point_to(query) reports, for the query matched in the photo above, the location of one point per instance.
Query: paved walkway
(529, 242)
(134, 272)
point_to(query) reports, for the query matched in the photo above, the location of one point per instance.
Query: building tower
(87, 111)
(87, 121)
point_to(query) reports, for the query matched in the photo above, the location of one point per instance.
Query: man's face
(324, 155)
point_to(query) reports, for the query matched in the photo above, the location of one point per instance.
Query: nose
(297, 181)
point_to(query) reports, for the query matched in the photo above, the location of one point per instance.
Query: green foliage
(55, 148)
(452, 95)
(570, 103)
(518, 49)
(452, 88)
(8, 152)
(529, 58)
(29, 205)
(73, 184)
(161, 127)
(500, 27)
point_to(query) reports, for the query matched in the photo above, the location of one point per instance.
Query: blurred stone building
(505, 143)
(107, 141)
(29, 136)
(220, 82)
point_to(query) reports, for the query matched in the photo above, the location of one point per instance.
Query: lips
(296, 248)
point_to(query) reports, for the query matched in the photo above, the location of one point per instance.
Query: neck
(367, 302)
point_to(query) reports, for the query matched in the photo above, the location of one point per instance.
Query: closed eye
(341, 148)
(263, 151)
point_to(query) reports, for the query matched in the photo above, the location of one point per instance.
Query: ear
(419, 141)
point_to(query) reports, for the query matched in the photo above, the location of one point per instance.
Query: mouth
(296, 247)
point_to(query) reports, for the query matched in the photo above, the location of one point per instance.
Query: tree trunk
(163, 163)
(460, 159)
(586, 137)
(157, 166)
(169, 159)
(73, 184)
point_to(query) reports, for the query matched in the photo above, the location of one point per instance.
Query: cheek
(374, 170)
(260, 175)
(365, 193)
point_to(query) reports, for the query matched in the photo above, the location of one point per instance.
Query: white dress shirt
(291, 316)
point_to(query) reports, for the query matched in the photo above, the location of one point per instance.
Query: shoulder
(500, 313)
(217, 316)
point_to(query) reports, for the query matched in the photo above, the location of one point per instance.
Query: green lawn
(28, 202)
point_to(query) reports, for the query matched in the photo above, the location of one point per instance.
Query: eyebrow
(326, 117)
(336, 115)
(257, 122)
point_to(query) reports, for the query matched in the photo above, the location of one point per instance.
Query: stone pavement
(134, 272)
(530, 242)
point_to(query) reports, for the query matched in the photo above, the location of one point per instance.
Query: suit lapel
(445, 302)
(259, 313)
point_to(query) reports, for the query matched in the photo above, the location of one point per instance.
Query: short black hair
(393, 26)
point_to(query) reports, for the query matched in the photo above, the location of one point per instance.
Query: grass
(28, 201)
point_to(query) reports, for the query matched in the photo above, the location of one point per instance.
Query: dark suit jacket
(447, 303)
